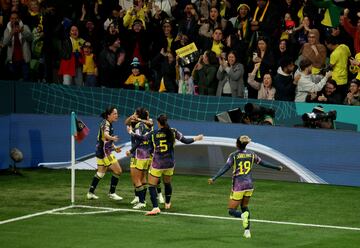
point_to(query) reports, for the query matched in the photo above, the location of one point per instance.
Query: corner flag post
(78, 132)
(73, 132)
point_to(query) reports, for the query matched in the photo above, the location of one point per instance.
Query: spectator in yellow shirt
(89, 65)
(137, 12)
(136, 80)
(339, 56)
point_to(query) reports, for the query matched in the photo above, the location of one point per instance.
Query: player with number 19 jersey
(242, 162)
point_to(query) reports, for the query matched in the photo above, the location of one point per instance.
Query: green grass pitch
(43, 189)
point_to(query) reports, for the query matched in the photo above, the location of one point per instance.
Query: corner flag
(78, 128)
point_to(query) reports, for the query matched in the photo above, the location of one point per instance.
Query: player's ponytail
(162, 119)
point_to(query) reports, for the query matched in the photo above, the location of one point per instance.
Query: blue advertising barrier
(331, 155)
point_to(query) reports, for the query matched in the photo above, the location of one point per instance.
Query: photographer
(258, 115)
(319, 119)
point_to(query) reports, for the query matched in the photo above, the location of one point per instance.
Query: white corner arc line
(34, 215)
(105, 211)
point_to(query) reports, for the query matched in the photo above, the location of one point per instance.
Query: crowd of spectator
(291, 50)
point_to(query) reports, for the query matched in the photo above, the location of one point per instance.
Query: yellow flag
(162, 85)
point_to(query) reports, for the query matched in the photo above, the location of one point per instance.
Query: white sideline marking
(108, 210)
(34, 215)
(105, 209)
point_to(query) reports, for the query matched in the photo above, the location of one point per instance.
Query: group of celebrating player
(152, 160)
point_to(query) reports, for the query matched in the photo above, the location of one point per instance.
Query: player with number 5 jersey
(163, 162)
(241, 161)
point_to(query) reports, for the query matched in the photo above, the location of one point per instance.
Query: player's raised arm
(183, 139)
(271, 166)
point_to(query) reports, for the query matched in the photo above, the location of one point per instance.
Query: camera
(325, 69)
(253, 114)
(255, 55)
(319, 119)
(258, 115)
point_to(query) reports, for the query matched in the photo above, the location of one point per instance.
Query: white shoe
(136, 200)
(168, 205)
(247, 233)
(161, 198)
(115, 197)
(140, 205)
(91, 196)
(154, 211)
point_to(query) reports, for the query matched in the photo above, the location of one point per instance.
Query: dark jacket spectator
(284, 81)
(164, 66)
(70, 66)
(177, 11)
(137, 44)
(291, 7)
(32, 16)
(262, 54)
(328, 94)
(242, 27)
(214, 43)
(204, 74)
(111, 65)
(188, 23)
(353, 96)
(265, 21)
(165, 37)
